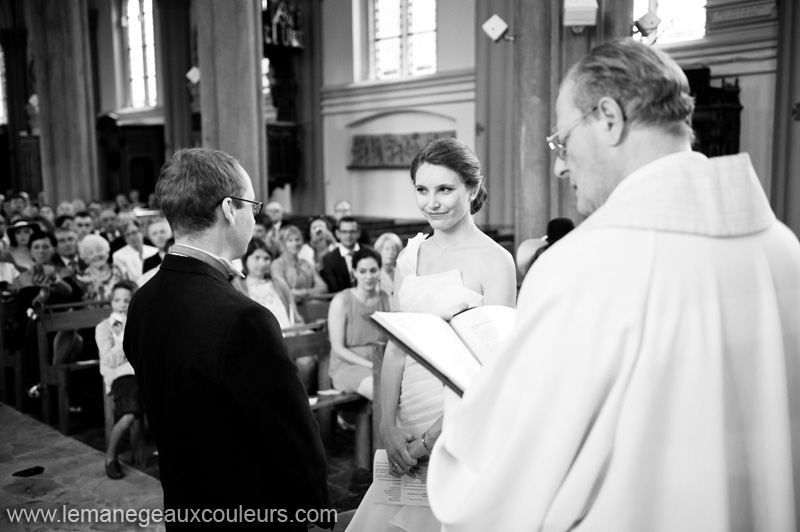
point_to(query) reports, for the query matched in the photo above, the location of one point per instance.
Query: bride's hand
(397, 441)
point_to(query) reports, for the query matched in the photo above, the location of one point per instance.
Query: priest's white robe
(652, 382)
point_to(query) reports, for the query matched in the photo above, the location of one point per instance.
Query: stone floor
(74, 476)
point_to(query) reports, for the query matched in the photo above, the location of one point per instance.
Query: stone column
(14, 42)
(545, 50)
(176, 60)
(786, 152)
(60, 37)
(536, 81)
(229, 38)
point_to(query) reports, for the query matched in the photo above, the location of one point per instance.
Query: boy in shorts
(118, 373)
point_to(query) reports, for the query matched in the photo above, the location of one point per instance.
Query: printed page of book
(434, 343)
(485, 329)
(402, 491)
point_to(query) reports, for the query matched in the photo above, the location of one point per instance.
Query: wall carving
(391, 151)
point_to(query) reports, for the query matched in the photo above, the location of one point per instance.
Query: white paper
(405, 490)
(432, 336)
(485, 329)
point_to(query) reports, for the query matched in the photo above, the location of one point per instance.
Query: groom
(231, 419)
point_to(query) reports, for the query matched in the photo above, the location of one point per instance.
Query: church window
(404, 38)
(681, 20)
(3, 99)
(137, 24)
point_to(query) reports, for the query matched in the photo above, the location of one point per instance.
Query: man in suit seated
(337, 265)
(67, 250)
(230, 416)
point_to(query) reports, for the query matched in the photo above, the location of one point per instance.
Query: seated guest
(64, 220)
(343, 208)
(320, 240)
(273, 294)
(117, 373)
(67, 251)
(389, 246)
(274, 211)
(99, 277)
(263, 231)
(65, 208)
(557, 228)
(47, 212)
(150, 273)
(159, 234)
(130, 258)
(19, 235)
(46, 284)
(299, 275)
(261, 287)
(337, 265)
(109, 229)
(83, 224)
(350, 329)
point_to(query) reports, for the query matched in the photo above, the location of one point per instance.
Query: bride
(456, 268)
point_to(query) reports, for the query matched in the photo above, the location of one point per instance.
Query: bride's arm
(499, 280)
(394, 361)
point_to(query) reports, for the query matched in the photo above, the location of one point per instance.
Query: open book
(404, 490)
(453, 351)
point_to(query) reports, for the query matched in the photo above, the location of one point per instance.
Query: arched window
(3, 97)
(137, 25)
(403, 40)
(681, 20)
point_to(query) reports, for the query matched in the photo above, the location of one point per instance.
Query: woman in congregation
(351, 332)
(389, 246)
(300, 275)
(19, 235)
(442, 275)
(42, 284)
(274, 294)
(99, 277)
(320, 239)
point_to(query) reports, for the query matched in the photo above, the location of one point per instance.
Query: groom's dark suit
(230, 416)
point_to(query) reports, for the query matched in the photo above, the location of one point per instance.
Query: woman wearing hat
(19, 235)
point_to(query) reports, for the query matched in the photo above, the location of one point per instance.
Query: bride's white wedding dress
(421, 394)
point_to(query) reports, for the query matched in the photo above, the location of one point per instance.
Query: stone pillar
(174, 30)
(229, 38)
(14, 42)
(536, 83)
(545, 50)
(60, 37)
(786, 152)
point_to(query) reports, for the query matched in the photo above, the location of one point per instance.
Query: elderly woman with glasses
(99, 277)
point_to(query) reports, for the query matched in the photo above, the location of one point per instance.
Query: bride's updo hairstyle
(456, 156)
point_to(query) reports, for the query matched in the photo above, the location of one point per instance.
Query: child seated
(118, 373)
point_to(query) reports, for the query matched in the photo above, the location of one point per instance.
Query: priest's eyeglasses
(257, 205)
(560, 147)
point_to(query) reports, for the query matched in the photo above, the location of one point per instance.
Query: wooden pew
(66, 317)
(312, 339)
(378, 349)
(10, 359)
(315, 308)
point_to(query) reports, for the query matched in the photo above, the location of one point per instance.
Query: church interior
(329, 100)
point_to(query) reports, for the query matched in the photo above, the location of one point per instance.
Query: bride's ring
(395, 467)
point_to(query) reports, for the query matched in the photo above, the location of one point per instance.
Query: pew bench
(66, 317)
(11, 378)
(312, 340)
